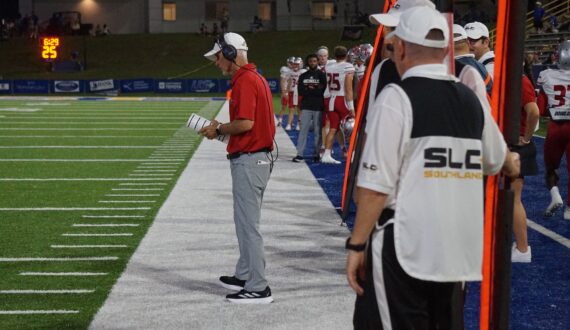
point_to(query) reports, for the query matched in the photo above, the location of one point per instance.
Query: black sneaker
(232, 283)
(298, 159)
(316, 159)
(251, 297)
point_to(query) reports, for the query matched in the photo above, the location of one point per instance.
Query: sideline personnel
(312, 86)
(251, 130)
(421, 182)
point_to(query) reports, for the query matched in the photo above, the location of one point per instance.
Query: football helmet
(365, 52)
(347, 125)
(564, 55)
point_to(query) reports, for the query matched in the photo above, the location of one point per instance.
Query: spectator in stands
(98, 30)
(551, 60)
(203, 29)
(551, 24)
(75, 27)
(257, 24)
(34, 29)
(564, 21)
(225, 20)
(215, 30)
(538, 17)
(106, 30)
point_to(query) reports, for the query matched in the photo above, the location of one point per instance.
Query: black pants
(405, 302)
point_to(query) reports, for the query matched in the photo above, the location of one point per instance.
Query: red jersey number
(334, 83)
(561, 98)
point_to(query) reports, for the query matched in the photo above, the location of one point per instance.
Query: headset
(229, 52)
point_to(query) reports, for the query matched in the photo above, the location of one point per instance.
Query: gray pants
(250, 174)
(306, 117)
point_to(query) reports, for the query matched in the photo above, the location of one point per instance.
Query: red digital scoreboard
(49, 47)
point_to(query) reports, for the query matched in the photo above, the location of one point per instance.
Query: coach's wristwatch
(218, 132)
(354, 247)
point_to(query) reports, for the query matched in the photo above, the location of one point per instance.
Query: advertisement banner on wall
(137, 85)
(203, 86)
(105, 85)
(5, 87)
(273, 85)
(67, 86)
(224, 85)
(170, 86)
(31, 86)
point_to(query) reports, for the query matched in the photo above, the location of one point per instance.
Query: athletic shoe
(288, 127)
(232, 283)
(518, 256)
(327, 159)
(316, 159)
(321, 152)
(251, 297)
(298, 159)
(298, 127)
(553, 207)
(278, 122)
(567, 213)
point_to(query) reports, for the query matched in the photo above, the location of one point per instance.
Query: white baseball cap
(393, 16)
(459, 33)
(230, 38)
(476, 30)
(415, 24)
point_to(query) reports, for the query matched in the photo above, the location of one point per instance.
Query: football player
(294, 98)
(337, 108)
(284, 77)
(554, 101)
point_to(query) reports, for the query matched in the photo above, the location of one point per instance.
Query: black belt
(386, 215)
(238, 154)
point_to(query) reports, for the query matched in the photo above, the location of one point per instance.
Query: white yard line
(89, 216)
(78, 147)
(142, 184)
(83, 136)
(548, 233)
(132, 202)
(46, 291)
(32, 129)
(132, 195)
(36, 312)
(162, 123)
(59, 259)
(83, 179)
(102, 160)
(105, 225)
(88, 246)
(160, 163)
(137, 189)
(62, 274)
(73, 208)
(153, 171)
(96, 235)
(163, 175)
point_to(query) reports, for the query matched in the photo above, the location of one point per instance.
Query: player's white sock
(555, 202)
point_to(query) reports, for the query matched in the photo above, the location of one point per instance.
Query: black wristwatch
(218, 132)
(354, 247)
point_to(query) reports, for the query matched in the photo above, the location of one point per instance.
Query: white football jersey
(556, 85)
(284, 75)
(360, 71)
(336, 74)
(284, 72)
(294, 80)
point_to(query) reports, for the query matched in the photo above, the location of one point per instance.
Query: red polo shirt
(251, 99)
(528, 96)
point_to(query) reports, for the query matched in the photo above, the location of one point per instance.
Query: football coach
(251, 130)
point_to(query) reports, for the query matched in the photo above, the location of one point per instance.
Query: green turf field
(81, 179)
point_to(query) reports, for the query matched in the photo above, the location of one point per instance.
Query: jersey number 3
(334, 83)
(561, 98)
